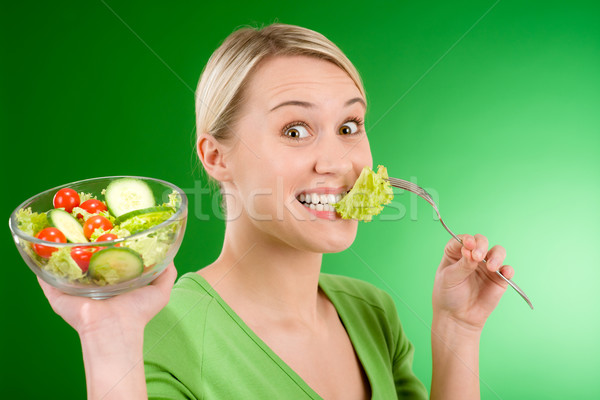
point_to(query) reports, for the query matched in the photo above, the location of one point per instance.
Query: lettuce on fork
(370, 193)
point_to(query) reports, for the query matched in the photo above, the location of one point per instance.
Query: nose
(330, 157)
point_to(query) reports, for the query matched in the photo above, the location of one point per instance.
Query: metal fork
(413, 188)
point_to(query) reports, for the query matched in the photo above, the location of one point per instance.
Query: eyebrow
(306, 104)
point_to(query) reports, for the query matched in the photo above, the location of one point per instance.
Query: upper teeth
(315, 198)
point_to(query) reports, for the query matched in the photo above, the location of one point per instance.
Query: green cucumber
(150, 210)
(115, 264)
(68, 225)
(145, 219)
(128, 194)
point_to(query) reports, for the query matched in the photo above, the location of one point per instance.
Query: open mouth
(320, 201)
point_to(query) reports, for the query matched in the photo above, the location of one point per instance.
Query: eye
(296, 132)
(348, 128)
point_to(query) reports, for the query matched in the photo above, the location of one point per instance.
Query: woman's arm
(455, 352)
(466, 291)
(111, 333)
(113, 361)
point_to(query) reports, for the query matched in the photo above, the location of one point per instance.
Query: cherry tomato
(49, 235)
(92, 206)
(66, 198)
(107, 237)
(82, 254)
(94, 222)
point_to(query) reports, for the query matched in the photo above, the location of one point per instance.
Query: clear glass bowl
(163, 240)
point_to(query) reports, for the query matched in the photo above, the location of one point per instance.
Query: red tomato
(107, 237)
(92, 206)
(49, 235)
(82, 254)
(94, 222)
(66, 198)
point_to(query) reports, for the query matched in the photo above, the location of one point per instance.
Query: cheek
(361, 155)
(260, 185)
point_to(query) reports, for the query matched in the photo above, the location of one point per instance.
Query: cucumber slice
(150, 210)
(68, 225)
(115, 264)
(140, 220)
(128, 194)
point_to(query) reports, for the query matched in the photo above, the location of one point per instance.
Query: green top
(197, 347)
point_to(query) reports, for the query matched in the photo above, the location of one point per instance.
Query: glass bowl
(156, 246)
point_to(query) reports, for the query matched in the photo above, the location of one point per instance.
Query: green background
(493, 106)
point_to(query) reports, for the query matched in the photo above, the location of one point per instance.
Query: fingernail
(492, 262)
(477, 254)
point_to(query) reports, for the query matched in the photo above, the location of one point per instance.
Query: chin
(338, 241)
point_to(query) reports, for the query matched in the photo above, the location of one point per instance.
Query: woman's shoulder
(191, 287)
(190, 293)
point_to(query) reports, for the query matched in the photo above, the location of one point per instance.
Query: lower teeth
(319, 206)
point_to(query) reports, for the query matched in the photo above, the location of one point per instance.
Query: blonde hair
(219, 94)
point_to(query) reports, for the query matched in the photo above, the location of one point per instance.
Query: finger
(50, 292)
(495, 257)
(166, 280)
(507, 271)
(56, 298)
(481, 247)
(164, 284)
(151, 298)
(466, 264)
(453, 250)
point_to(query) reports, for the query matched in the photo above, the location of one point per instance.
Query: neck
(266, 274)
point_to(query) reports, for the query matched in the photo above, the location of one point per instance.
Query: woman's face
(300, 133)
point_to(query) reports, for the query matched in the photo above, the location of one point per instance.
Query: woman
(279, 117)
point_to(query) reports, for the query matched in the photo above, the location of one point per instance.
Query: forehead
(304, 78)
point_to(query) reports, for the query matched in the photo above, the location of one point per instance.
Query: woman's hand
(466, 290)
(133, 309)
(111, 333)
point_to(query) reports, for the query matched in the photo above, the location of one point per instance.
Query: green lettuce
(80, 211)
(97, 233)
(174, 200)
(120, 232)
(108, 216)
(153, 247)
(85, 197)
(61, 264)
(370, 193)
(30, 222)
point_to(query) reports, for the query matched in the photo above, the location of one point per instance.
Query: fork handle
(511, 283)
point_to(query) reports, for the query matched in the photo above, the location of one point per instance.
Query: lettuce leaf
(85, 196)
(61, 264)
(174, 200)
(97, 233)
(80, 211)
(30, 222)
(154, 247)
(151, 248)
(370, 192)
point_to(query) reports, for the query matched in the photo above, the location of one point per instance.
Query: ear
(211, 154)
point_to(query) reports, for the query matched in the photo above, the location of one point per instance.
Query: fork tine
(411, 187)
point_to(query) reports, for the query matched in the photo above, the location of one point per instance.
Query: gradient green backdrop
(493, 105)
